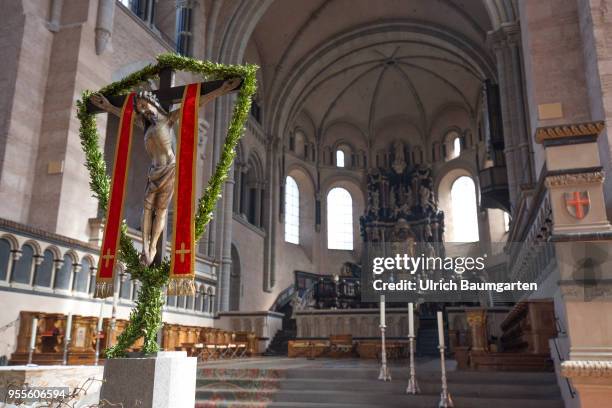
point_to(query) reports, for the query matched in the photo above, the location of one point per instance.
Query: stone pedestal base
(592, 380)
(166, 380)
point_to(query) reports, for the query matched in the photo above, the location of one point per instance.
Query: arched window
(125, 290)
(23, 267)
(292, 211)
(45, 270)
(198, 300)
(506, 222)
(339, 158)
(211, 301)
(464, 209)
(339, 219)
(82, 277)
(62, 277)
(5, 257)
(456, 147)
(171, 301)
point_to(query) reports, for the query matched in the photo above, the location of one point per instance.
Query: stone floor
(342, 383)
(428, 364)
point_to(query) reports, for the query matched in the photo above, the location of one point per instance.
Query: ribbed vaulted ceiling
(366, 62)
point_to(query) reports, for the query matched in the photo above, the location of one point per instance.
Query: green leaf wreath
(145, 318)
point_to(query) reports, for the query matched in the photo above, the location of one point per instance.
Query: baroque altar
(402, 206)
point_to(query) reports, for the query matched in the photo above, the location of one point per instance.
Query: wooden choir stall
(203, 342)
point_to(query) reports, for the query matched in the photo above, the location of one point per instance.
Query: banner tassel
(181, 287)
(104, 290)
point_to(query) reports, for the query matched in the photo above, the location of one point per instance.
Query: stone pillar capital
(505, 37)
(16, 255)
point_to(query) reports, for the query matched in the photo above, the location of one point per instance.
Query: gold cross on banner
(182, 252)
(107, 257)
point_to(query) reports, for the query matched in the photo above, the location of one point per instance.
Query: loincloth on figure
(160, 186)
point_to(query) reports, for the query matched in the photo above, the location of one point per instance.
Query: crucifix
(157, 120)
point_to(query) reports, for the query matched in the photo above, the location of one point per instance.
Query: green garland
(145, 318)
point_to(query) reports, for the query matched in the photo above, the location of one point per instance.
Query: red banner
(182, 266)
(114, 214)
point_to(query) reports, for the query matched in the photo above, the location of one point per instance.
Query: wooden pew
(524, 342)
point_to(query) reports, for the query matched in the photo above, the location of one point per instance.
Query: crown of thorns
(149, 97)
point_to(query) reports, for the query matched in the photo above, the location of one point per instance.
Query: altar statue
(399, 160)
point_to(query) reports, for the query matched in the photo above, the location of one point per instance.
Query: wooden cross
(167, 96)
(182, 252)
(107, 257)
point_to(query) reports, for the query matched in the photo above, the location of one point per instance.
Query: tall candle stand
(67, 338)
(413, 385)
(97, 357)
(66, 345)
(32, 340)
(445, 397)
(385, 374)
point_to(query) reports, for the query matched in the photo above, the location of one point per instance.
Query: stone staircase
(427, 337)
(357, 387)
(279, 346)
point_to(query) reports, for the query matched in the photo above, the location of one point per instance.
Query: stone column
(506, 44)
(258, 200)
(270, 200)
(581, 231)
(226, 257)
(92, 275)
(104, 24)
(238, 188)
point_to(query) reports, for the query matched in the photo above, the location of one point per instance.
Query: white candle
(99, 329)
(440, 329)
(382, 310)
(33, 333)
(68, 333)
(410, 320)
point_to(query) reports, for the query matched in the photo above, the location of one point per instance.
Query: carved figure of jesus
(158, 138)
(158, 127)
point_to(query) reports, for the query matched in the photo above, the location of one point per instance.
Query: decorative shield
(578, 203)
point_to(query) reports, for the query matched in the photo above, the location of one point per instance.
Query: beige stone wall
(596, 29)
(52, 69)
(555, 77)
(250, 246)
(25, 46)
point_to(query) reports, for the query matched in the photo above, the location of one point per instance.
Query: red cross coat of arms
(577, 203)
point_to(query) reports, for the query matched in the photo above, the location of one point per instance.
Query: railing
(304, 301)
(36, 261)
(560, 357)
(531, 255)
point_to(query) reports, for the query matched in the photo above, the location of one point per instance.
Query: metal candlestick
(97, 357)
(66, 344)
(413, 385)
(385, 374)
(445, 398)
(30, 355)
